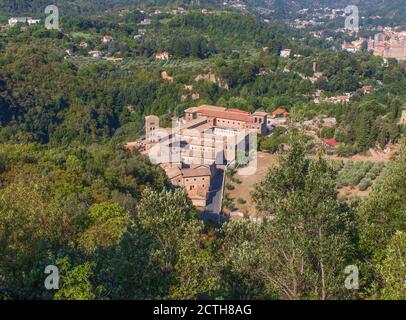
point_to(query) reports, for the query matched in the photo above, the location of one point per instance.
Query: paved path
(214, 198)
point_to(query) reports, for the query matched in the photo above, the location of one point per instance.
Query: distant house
(349, 47)
(95, 54)
(25, 20)
(402, 120)
(285, 53)
(14, 20)
(165, 76)
(329, 122)
(343, 99)
(145, 22)
(280, 112)
(366, 89)
(83, 44)
(276, 122)
(138, 37)
(308, 123)
(162, 55)
(107, 39)
(178, 11)
(331, 143)
(278, 118)
(33, 21)
(339, 99)
(114, 59)
(262, 72)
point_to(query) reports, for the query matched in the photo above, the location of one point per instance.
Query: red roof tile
(280, 112)
(229, 115)
(330, 142)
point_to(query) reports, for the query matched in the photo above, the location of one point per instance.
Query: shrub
(229, 186)
(356, 178)
(241, 201)
(344, 150)
(364, 184)
(377, 169)
(327, 132)
(370, 176)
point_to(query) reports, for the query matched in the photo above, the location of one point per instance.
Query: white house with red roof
(107, 39)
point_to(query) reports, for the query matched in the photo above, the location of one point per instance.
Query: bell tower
(151, 126)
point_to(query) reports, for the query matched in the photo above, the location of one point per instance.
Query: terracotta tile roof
(330, 142)
(260, 113)
(200, 172)
(173, 172)
(238, 111)
(237, 116)
(205, 106)
(151, 117)
(280, 112)
(223, 113)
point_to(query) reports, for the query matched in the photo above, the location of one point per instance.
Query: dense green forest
(74, 7)
(104, 218)
(49, 96)
(71, 196)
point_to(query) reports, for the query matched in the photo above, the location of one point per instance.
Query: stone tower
(151, 126)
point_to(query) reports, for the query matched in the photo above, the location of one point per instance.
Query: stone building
(202, 138)
(402, 120)
(195, 179)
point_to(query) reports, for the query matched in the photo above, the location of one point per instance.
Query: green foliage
(169, 219)
(382, 213)
(344, 150)
(381, 222)
(361, 174)
(393, 268)
(327, 132)
(365, 184)
(75, 7)
(310, 234)
(241, 201)
(241, 256)
(229, 186)
(274, 142)
(70, 196)
(105, 211)
(75, 281)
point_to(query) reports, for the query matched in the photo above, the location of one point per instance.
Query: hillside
(73, 7)
(267, 8)
(113, 223)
